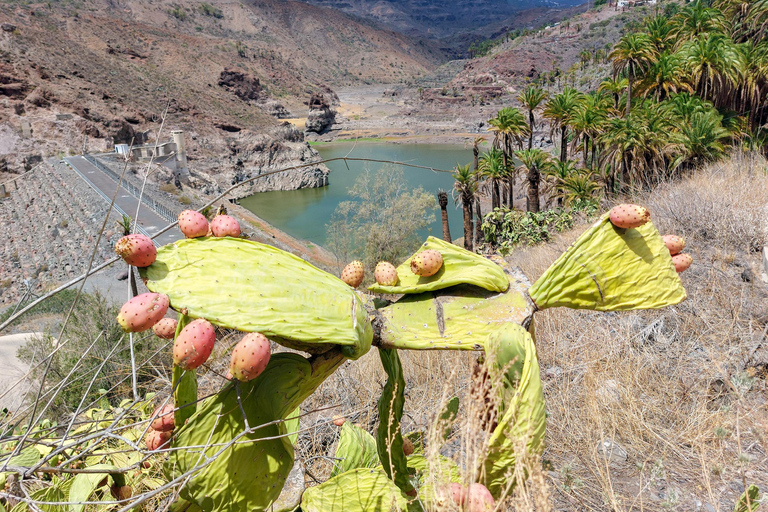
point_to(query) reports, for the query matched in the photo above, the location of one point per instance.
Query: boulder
(243, 85)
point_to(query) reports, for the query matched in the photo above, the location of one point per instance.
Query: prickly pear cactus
(252, 287)
(458, 318)
(389, 439)
(356, 449)
(459, 267)
(358, 490)
(610, 268)
(250, 474)
(184, 383)
(522, 420)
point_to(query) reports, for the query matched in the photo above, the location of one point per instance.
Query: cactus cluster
(449, 298)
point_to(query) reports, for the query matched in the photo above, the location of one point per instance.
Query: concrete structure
(182, 171)
(152, 151)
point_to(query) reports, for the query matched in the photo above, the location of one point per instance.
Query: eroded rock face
(282, 147)
(321, 114)
(244, 86)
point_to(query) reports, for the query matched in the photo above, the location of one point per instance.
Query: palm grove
(684, 89)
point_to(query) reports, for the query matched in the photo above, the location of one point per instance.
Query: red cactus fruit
(426, 263)
(165, 328)
(194, 344)
(339, 421)
(224, 225)
(163, 419)
(385, 274)
(408, 447)
(674, 243)
(456, 492)
(142, 312)
(137, 250)
(629, 216)
(353, 274)
(193, 224)
(156, 440)
(682, 261)
(250, 357)
(480, 499)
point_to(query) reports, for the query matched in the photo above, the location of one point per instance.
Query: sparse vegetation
(210, 10)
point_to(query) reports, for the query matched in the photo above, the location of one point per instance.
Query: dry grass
(682, 390)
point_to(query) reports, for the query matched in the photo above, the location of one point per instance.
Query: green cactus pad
(433, 476)
(522, 420)
(358, 490)
(248, 475)
(356, 449)
(389, 439)
(460, 318)
(610, 269)
(252, 287)
(459, 267)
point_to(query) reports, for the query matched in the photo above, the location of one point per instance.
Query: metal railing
(105, 197)
(161, 210)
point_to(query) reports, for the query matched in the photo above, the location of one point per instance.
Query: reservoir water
(305, 213)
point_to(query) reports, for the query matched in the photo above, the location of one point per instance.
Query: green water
(305, 213)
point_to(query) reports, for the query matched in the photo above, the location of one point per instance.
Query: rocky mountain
(438, 19)
(111, 69)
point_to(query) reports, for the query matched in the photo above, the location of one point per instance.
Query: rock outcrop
(245, 86)
(282, 147)
(321, 116)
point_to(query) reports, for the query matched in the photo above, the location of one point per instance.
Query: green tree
(464, 192)
(383, 219)
(509, 128)
(556, 174)
(533, 161)
(530, 99)
(560, 110)
(493, 171)
(632, 54)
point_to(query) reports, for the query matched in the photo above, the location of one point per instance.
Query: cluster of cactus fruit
(450, 299)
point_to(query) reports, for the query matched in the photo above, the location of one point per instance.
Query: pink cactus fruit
(426, 263)
(194, 344)
(163, 419)
(682, 261)
(385, 274)
(480, 499)
(224, 225)
(156, 439)
(456, 492)
(193, 224)
(142, 312)
(250, 357)
(339, 421)
(353, 274)
(629, 216)
(674, 243)
(408, 447)
(137, 250)
(165, 328)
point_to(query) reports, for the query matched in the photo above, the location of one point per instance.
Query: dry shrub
(678, 390)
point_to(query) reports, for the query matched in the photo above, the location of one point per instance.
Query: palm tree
(696, 19)
(622, 139)
(713, 62)
(703, 137)
(579, 186)
(557, 173)
(493, 170)
(587, 123)
(464, 191)
(615, 87)
(534, 161)
(664, 77)
(479, 214)
(660, 32)
(632, 54)
(530, 99)
(442, 200)
(508, 127)
(560, 110)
